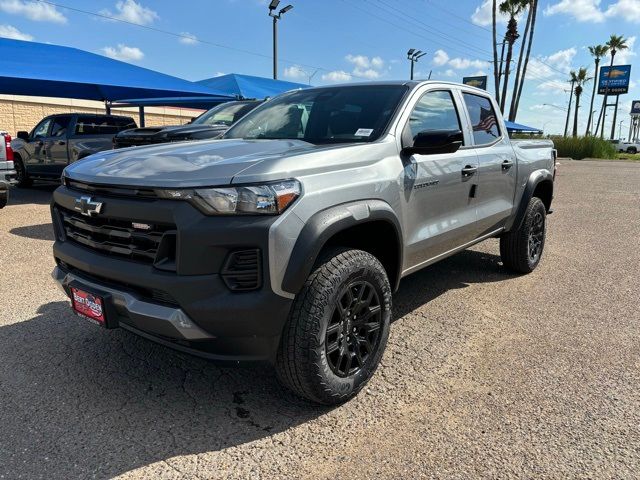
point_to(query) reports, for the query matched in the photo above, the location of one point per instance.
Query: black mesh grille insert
(113, 236)
(243, 270)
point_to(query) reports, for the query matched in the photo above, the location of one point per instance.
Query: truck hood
(184, 164)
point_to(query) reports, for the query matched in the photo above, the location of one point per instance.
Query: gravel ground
(487, 374)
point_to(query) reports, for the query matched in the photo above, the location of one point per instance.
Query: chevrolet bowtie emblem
(86, 206)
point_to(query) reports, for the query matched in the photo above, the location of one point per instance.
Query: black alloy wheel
(353, 333)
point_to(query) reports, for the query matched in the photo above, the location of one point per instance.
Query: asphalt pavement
(487, 374)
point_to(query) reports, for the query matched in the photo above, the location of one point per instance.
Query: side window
(60, 126)
(96, 125)
(42, 129)
(434, 111)
(483, 119)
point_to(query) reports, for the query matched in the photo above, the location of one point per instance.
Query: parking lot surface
(487, 374)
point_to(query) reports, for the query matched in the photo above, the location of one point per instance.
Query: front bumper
(190, 308)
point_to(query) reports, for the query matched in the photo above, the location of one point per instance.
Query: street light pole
(276, 16)
(413, 55)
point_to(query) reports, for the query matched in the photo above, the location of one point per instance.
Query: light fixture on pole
(413, 55)
(276, 16)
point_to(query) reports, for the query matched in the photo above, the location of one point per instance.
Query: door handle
(469, 170)
(507, 164)
(61, 142)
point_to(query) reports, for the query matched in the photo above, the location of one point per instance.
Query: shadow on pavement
(80, 401)
(37, 232)
(39, 194)
(459, 271)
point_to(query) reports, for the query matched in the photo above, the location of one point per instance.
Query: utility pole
(413, 55)
(276, 16)
(566, 125)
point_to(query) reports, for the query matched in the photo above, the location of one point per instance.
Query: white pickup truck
(7, 172)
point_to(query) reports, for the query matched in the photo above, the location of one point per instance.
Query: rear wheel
(521, 249)
(632, 150)
(338, 328)
(22, 177)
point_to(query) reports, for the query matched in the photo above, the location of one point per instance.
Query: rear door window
(483, 119)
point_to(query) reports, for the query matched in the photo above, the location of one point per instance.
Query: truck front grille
(114, 236)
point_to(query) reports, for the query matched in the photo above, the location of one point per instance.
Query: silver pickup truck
(285, 240)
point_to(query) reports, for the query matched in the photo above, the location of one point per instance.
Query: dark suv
(59, 140)
(210, 124)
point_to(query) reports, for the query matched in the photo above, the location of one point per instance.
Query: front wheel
(338, 328)
(22, 177)
(521, 249)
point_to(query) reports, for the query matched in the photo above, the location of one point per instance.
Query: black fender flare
(534, 180)
(325, 224)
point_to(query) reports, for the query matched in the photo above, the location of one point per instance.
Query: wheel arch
(369, 225)
(539, 184)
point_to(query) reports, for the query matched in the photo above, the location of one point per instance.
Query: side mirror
(432, 142)
(22, 135)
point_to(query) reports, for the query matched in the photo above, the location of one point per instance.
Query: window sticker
(364, 132)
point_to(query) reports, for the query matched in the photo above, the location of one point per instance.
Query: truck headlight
(263, 199)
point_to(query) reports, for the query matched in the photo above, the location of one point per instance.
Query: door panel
(36, 147)
(56, 146)
(439, 212)
(496, 186)
(497, 164)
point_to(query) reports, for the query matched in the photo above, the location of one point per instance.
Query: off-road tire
(22, 176)
(516, 248)
(302, 362)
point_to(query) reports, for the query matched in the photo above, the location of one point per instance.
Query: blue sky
(337, 40)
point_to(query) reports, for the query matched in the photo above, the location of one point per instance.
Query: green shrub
(584, 147)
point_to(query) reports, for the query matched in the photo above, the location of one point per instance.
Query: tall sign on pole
(613, 81)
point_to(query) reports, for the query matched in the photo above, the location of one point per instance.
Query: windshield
(225, 114)
(357, 113)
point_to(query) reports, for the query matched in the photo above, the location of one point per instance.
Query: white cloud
(336, 76)
(365, 67)
(132, 11)
(40, 12)
(450, 73)
(464, 63)
(562, 59)
(188, 38)
(294, 72)
(482, 15)
(440, 58)
(626, 9)
(581, 10)
(123, 52)
(590, 11)
(9, 31)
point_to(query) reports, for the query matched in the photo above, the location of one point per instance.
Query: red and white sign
(88, 305)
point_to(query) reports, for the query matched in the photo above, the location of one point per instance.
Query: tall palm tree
(516, 81)
(496, 76)
(513, 8)
(616, 43)
(597, 52)
(579, 79)
(534, 10)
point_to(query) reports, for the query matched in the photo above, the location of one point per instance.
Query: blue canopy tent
(38, 69)
(513, 127)
(248, 86)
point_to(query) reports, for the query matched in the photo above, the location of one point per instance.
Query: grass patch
(633, 157)
(584, 147)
